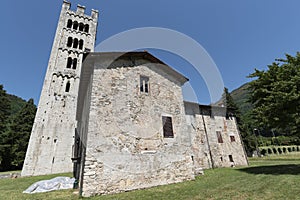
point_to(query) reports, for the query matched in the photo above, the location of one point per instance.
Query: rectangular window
(231, 158)
(144, 84)
(232, 138)
(167, 127)
(220, 139)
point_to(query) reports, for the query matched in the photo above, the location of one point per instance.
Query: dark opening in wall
(86, 28)
(167, 127)
(74, 63)
(146, 87)
(69, 24)
(69, 63)
(75, 43)
(232, 138)
(68, 87)
(75, 25)
(144, 84)
(230, 158)
(70, 41)
(220, 139)
(229, 115)
(81, 44)
(81, 26)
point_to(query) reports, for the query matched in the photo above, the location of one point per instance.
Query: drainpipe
(207, 140)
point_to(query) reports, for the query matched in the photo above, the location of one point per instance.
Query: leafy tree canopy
(276, 97)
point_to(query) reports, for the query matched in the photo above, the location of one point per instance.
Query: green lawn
(9, 172)
(274, 177)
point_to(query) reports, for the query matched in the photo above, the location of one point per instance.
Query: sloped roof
(114, 56)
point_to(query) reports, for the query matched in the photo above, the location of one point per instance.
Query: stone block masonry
(126, 148)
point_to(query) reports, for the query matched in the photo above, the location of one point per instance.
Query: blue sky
(238, 35)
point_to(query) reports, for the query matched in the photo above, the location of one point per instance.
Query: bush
(279, 150)
(284, 150)
(274, 151)
(268, 142)
(270, 151)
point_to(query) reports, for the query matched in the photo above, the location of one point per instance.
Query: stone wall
(125, 148)
(199, 139)
(204, 123)
(219, 120)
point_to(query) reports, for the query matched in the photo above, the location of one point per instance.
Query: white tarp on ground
(57, 183)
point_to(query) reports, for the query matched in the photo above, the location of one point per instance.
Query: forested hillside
(16, 104)
(16, 119)
(241, 97)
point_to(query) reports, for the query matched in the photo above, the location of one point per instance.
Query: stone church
(118, 119)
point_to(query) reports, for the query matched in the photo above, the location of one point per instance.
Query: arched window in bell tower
(75, 25)
(69, 63)
(81, 26)
(70, 41)
(74, 63)
(86, 28)
(69, 24)
(75, 43)
(68, 87)
(81, 44)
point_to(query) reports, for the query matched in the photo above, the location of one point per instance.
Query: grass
(274, 177)
(11, 189)
(9, 172)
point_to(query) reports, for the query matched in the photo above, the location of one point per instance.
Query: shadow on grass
(273, 170)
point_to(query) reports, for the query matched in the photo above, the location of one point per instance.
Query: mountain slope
(16, 104)
(241, 96)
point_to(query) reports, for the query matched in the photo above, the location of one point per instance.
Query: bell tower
(52, 137)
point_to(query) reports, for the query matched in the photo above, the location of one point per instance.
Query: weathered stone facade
(205, 123)
(52, 137)
(132, 128)
(122, 131)
(125, 147)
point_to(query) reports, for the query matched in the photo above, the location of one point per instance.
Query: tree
(20, 130)
(229, 102)
(248, 139)
(4, 109)
(15, 140)
(276, 97)
(4, 113)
